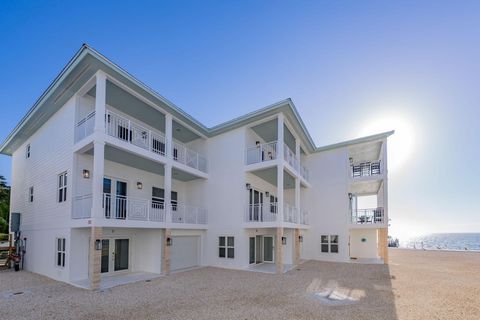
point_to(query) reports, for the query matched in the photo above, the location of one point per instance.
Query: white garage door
(184, 252)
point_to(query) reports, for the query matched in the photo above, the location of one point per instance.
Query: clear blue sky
(348, 66)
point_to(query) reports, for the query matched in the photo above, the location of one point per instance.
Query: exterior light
(139, 185)
(350, 196)
(284, 240)
(300, 238)
(351, 160)
(249, 186)
(169, 241)
(267, 194)
(257, 143)
(86, 174)
(98, 244)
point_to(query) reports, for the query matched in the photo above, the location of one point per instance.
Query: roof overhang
(87, 61)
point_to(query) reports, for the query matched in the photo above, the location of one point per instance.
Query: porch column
(385, 182)
(97, 180)
(279, 251)
(383, 244)
(168, 193)
(166, 252)
(297, 199)
(280, 203)
(169, 135)
(296, 241)
(95, 257)
(100, 102)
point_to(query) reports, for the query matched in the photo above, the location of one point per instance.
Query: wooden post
(95, 258)
(166, 252)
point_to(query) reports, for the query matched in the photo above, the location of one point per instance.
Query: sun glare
(400, 145)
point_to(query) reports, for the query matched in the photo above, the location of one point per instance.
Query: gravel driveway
(315, 290)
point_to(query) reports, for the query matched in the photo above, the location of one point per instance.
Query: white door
(184, 252)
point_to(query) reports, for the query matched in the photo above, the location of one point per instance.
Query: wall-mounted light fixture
(249, 186)
(267, 194)
(139, 185)
(300, 238)
(98, 244)
(351, 160)
(350, 196)
(169, 241)
(257, 143)
(284, 240)
(86, 174)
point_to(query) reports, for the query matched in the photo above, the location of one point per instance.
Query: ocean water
(444, 241)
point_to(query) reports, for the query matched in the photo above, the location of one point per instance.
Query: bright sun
(400, 145)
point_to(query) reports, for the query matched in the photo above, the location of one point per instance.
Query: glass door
(256, 205)
(121, 200)
(105, 256)
(121, 254)
(268, 249)
(251, 259)
(107, 198)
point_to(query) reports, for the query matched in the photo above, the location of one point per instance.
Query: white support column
(97, 180)
(297, 198)
(168, 192)
(385, 181)
(169, 135)
(297, 152)
(280, 138)
(100, 103)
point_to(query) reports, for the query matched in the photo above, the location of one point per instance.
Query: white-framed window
(30, 194)
(60, 252)
(226, 247)
(62, 187)
(27, 151)
(329, 243)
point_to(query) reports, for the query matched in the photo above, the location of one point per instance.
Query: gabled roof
(87, 61)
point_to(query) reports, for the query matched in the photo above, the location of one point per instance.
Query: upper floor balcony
(126, 209)
(372, 216)
(140, 135)
(366, 169)
(265, 152)
(367, 161)
(267, 214)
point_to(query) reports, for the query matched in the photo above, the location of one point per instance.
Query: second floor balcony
(366, 169)
(268, 213)
(368, 216)
(123, 208)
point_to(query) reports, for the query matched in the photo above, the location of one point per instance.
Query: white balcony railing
(135, 133)
(130, 208)
(268, 151)
(365, 169)
(82, 207)
(189, 157)
(368, 216)
(84, 127)
(182, 213)
(261, 212)
(268, 212)
(260, 153)
(290, 213)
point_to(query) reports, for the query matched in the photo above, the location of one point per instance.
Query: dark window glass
(221, 252)
(324, 247)
(230, 242)
(221, 241)
(230, 253)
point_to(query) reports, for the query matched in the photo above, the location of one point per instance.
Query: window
(158, 198)
(30, 194)
(226, 247)
(60, 258)
(62, 187)
(273, 204)
(329, 243)
(27, 151)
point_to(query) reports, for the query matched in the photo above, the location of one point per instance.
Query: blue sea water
(444, 241)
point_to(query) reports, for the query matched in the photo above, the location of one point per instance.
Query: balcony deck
(373, 217)
(266, 215)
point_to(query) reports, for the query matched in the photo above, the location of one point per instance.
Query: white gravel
(213, 293)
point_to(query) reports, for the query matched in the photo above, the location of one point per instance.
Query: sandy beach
(416, 285)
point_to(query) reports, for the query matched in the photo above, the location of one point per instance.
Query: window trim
(226, 247)
(60, 252)
(329, 243)
(62, 180)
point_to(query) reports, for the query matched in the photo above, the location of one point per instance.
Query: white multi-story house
(111, 179)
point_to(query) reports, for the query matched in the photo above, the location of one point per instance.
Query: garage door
(184, 252)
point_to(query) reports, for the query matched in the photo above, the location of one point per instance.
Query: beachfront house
(112, 181)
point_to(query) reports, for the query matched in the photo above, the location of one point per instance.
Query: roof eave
(378, 136)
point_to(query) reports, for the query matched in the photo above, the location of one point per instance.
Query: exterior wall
(366, 249)
(327, 201)
(45, 218)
